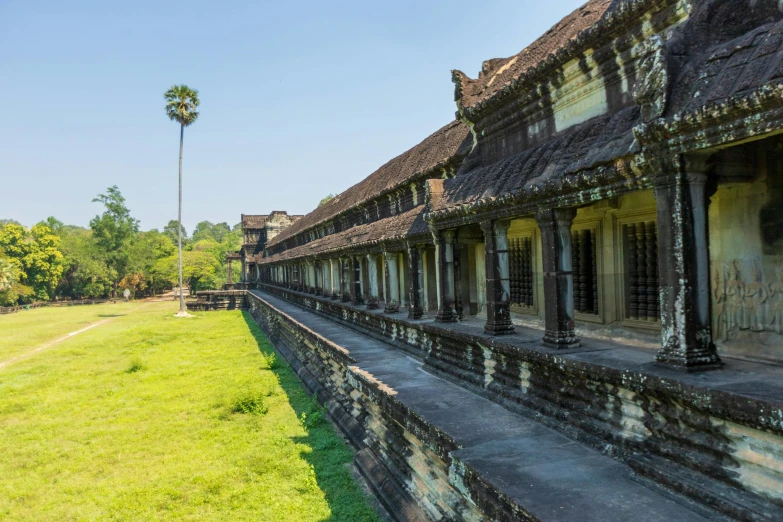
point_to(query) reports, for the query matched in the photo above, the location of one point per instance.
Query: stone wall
(723, 448)
(404, 459)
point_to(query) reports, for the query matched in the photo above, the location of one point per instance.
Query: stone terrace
(529, 469)
(678, 432)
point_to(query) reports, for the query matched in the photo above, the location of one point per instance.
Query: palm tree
(181, 105)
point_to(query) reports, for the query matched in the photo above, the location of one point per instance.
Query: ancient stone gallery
(595, 244)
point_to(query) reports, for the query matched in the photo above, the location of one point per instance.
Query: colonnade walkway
(551, 476)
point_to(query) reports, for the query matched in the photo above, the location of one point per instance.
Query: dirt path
(43, 347)
(48, 345)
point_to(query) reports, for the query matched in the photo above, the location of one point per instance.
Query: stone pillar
(497, 270)
(228, 267)
(444, 254)
(372, 271)
(415, 283)
(335, 277)
(683, 267)
(318, 278)
(345, 278)
(392, 284)
(355, 280)
(312, 279)
(458, 304)
(555, 225)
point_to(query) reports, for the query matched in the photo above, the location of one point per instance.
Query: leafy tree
(9, 277)
(113, 231)
(146, 249)
(181, 105)
(85, 270)
(9, 274)
(55, 225)
(206, 230)
(37, 258)
(170, 230)
(198, 269)
(134, 282)
(326, 200)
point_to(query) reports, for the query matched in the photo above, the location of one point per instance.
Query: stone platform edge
(662, 423)
(403, 458)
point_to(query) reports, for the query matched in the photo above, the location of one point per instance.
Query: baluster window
(520, 251)
(585, 270)
(641, 270)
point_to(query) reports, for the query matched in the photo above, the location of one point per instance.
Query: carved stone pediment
(651, 90)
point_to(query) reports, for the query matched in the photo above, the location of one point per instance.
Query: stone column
(318, 277)
(415, 282)
(458, 304)
(372, 275)
(392, 284)
(228, 267)
(312, 280)
(345, 291)
(497, 270)
(444, 254)
(683, 266)
(355, 280)
(555, 225)
(334, 277)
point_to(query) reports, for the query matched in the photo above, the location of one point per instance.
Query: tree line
(52, 260)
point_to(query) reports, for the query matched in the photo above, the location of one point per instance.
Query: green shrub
(250, 402)
(137, 365)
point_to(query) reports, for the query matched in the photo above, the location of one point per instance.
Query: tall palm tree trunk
(179, 220)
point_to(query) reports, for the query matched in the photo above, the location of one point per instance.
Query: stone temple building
(567, 303)
(256, 231)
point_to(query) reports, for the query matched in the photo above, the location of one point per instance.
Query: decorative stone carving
(652, 84)
(746, 305)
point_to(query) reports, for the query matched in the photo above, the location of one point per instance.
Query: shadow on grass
(331, 457)
(112, 315)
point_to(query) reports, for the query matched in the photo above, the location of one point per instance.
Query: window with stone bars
(584, 265)
(641, 270)
(520, 254)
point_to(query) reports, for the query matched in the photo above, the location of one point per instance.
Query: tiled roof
(595, 142)
(249, 221)
(434, 150)
(730, 68)
(389, 229)
(498, 72)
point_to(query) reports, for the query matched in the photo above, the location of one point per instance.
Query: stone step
(724, 498)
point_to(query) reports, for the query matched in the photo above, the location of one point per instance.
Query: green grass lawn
(149, 417)
(23, 331)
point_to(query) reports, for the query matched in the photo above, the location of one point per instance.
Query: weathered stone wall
(675, 432)
(403, 458)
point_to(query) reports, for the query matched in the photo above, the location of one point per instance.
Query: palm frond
(181, 104)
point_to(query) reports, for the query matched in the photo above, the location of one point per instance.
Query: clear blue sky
(298, 99)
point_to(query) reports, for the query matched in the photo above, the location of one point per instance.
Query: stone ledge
(410, 428)
(722, 425)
